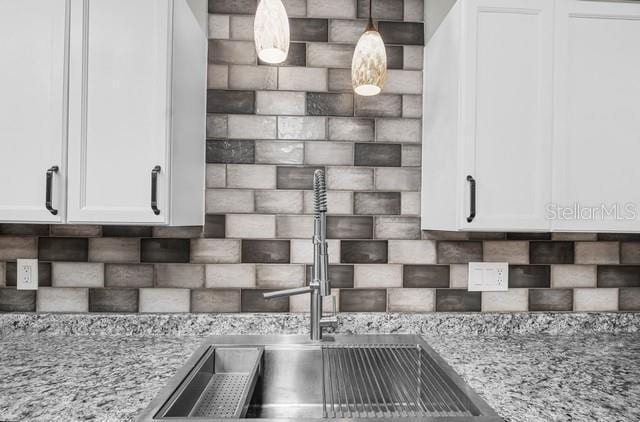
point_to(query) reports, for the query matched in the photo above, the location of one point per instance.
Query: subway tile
(12, 300)
(395, 57)
(253, 301)
(451, 300)
(444, 235)
(329, 153)
(330, 55)
(253, 77)
(377, 203)
(406, 33)
(378, 155)
(377, 275)
(128, 275)
(214, 226)
(398, 179)
(340, 80)
(251, 176)
(266, 251)
(77, 274)
(363, 251)
(294, 226)
(346, 30)
(486, 236)
(279, 276)
(410, 203)
(316, 30)
(453, 252)
(411, 300)
(597, 253)
(528, 236)
(216, 175)
(70, 299)
(411, 156)
(412, 251)
(399, 130)
(349, 178)
(3, 274)
(349, 227)
(218, 27)
(414, 10)
(412, 106)
(513, 252)
(297, 56)
(397, 228)
(75, 230)
(351, 129)
(24, 229)
(629, 299)
(384, 105)
(630, 253)
(280, 102)
(301, 303)
(126, 231)
(188, 276)
(230, 275)
(338, 202)
(329, 104)
(459, 276)
(302, 78)
(550, 300)
(551, 252)
(619, 237)
(578, 237)
(231, 102)
(302, 251)
(293, 127)
(164, 250)
(61, 249)
(279, 202)
(513, 300)
(595, 300)
(14, 247)
(114, 249)
(229, 200)
(425, 276)
(252, 127)
(232, 52)
(241, 28)
(332, 9)
(568, 276)
(618, 275)
(401, 81)
(250, 226)
(245, 7)
(279, 152)
(413, 57)
(295, 8)
(113, 300)
(217, 76)
(174, 231)
(341, 276)
(295, 177)
(381, 9)
(529, 276)
(158, 300)
(363, 300)
(215, 300)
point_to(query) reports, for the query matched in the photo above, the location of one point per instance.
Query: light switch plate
(27, 274)
(488, 276)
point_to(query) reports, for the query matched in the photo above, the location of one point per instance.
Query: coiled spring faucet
(320, 285)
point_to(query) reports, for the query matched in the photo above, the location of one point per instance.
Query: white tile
(458, 276)
(513, 300)
(252, 127)
(411, 155)
(302, 251)
(414, 10)
(595, 300)
(398, 179)
(216, 126)
(291, 127)
(413, 57)
(513, 252)
(280, 276)
(218, 26)
(338, 202)
(569, 276)
(250, 226)
(230, 275)
(301, 303)
(332, 9)
(377, 275)
(399, 130)
(249, 176)
(217, 76)
(403, 82)
(349, 178)
(216, 175)
(332, 55)
(279, 152)
(412, 252)
(280, 102)
(597, 253)
(329, 153)
(412, 106)
(308, 79)
(253, 77)
(294, 226)
(219, 201)
(215, 251)
(279, 201)
(52, 299)
(411, 300)
(410, 203)
(159, 300)
(397, 228)
(77, 274)
(189, 276)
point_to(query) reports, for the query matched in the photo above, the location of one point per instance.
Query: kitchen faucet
(320, 285)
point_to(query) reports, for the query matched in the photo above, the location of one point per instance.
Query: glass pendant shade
(369, 64)
(271, 31)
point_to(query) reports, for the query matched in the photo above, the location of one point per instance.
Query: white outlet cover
(488, 276)
(27, 274)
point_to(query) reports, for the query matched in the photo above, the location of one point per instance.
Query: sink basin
(283, 378)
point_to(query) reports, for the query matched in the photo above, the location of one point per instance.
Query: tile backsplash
(268, 129)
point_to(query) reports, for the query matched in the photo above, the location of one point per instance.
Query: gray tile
(351, 129)
(378, 155)
(280, 102)
(219, 201)
(397, 228)
(14, 247)
(410, 203)
(569, 276)
(338, 202)
(215, 251)
(597, 253)
(217, 76)
(399, 130)
(341, 276)
(412, 106)
(245, 7)
(231, 102)
(578, 237)
(279, 276)
(44, 274)
(377, 276)
(113, 300)
(349, 178)
(297, 56)
(253, 301)
(244, 226)
(330, 55)
(63, 249)
(618, 275)
(346, 30)
(406, 33)
(363, 300)
(528, 236)
(395, 57)
(412, 251)
(232, 52)
(158, 300)
(595, 300)
(332, 9)
(253, 77)
(514, 300)
(70, 299)
(215, 300)
(382, 9)
(400, 81)
(413, 57)
(252, 127)
(411, 300)
(302, 128)
(128, 275)
(77, 274)
(12, 300)
(279, 152)
(349, 227)
(622, 237)
(425, 276)
(295, 177)
(451, 300)
(75, 230)
(188, 276)
(279, 202)
(377, 203)
(230, 275)
(216, 175)
(24, 229)
(513, 252)
(309, 30)
(329, 104)
(414, 10)
(177, 231)
(363, 251)
(114, 249)
(127, 231)
(266, 251)
(629, 299)
(230, 152)
(411, 156)
(302, 79)
(340, 80)
(529, 276)
(240, 27)
(295, 8)
(329, 153)
(244, 176)
(452, 252)
(164, 250)
(384, 105)
(550, 300)
(551, 252)
(294, 226)
(630, 253)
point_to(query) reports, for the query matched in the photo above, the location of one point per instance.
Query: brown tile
(363, 300)
(551, 252)
(12, 300)
(341, 276)
(551, 300)
(189, 276)
(253, 301)
(452, 252)
(630, 253)
(44, 274)
(215, 300)
(451, 300)
(113, 300)
(377, 203)
(619, 237)
(513, 252)
(405, 33)
(521, 276)
(618, 275)
(179, 231)
(164, 250)
(364, 251)
(14, 247)
(629, 299)
(214, 226)
(126, 231)
(349, 227)
(128, 275)
(63, 249)
(528, 236)
(427, 276)
(75, 230)
(24, 229)
(597, 253)
(266, 251)
(295, 177)
(114, 249)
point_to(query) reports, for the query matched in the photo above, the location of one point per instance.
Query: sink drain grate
(384, 380)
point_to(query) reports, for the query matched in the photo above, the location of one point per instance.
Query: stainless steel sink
(283, 378)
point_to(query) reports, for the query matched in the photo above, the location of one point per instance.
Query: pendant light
(271, 31)
(369, 64)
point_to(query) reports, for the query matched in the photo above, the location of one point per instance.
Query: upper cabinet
(132, 126)
(528, 110)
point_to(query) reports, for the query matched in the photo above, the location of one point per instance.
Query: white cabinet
(133, 125)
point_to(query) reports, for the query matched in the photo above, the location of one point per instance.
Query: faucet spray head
(319, 192)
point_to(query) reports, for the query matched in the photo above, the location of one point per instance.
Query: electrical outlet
(488, 276)
(27, 277)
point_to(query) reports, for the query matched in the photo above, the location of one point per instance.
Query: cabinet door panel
(596, 167)
(33, 37)
(119, 110)
(507, 113)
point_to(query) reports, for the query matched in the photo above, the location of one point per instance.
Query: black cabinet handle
(472, 199)
(47, 198)
(154, 189)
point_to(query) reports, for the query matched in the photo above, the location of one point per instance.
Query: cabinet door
(597, 140)
(507, 115)
(119, 110)
(33, 36)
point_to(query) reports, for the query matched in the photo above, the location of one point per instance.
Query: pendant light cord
(370, 25)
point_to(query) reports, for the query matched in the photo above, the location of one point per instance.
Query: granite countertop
(528, 375)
